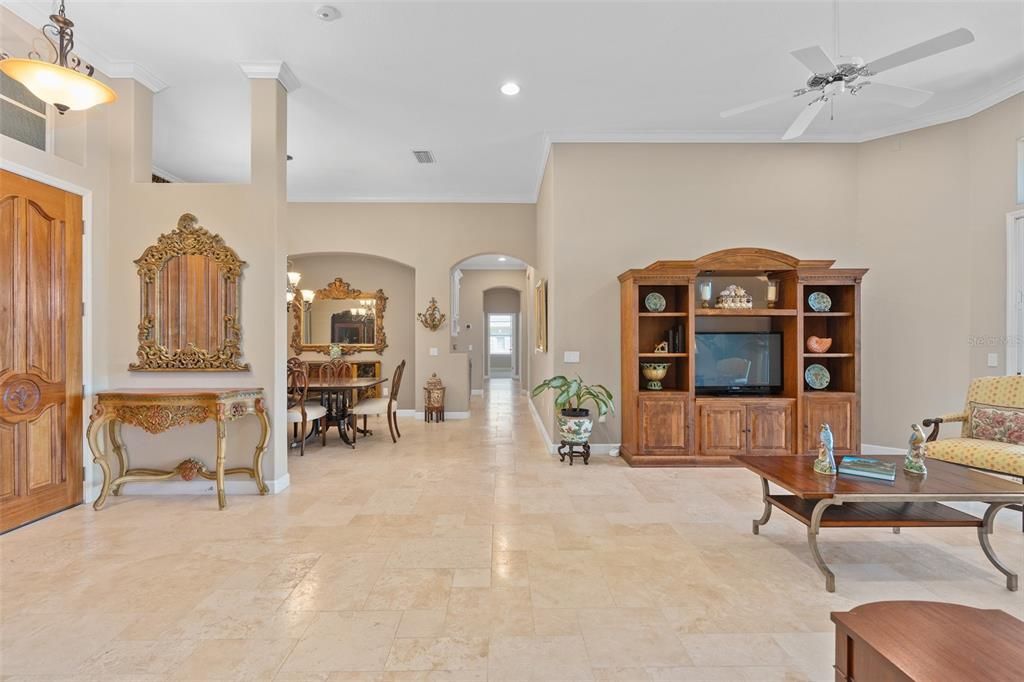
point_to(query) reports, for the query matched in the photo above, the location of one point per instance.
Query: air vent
(423, 156)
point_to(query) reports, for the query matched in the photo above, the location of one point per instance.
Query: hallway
(464, 552)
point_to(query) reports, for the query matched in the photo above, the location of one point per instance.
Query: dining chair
(379, 406)
(300, 412)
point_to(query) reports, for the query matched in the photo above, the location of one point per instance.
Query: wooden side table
(156, 410)
(919, 640)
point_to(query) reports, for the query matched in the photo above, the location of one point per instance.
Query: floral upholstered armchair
(991, 431)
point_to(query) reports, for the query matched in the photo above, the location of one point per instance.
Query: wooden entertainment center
(677, 426)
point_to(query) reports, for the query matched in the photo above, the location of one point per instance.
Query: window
(500, 334)
(22, 114)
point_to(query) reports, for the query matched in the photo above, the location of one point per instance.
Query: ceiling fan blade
(815, 59)
(947, 41)
(758, 104)
(896, 94)
(804, 119)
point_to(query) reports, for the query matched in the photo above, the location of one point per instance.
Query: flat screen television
(738, 363)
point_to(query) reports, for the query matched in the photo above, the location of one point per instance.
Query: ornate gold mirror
(189, 302)
(339, 315)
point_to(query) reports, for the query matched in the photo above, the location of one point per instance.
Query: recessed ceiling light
(510, 89)
(502, 259)
(328, 13)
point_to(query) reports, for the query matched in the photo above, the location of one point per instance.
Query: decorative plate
(817, 376)
(819, 302)
(655, 302)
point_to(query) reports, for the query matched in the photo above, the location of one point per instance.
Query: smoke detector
(424, 156)
(328, 13)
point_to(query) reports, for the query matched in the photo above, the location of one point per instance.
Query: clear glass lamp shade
(58, 85)
(308, 295)
(293, 278)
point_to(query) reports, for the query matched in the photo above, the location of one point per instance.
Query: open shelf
(747, 312)
(663, 314)
(663, 355)
(810, 356)
(828, 314)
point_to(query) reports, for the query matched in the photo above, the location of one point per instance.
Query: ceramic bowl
(817, 377)
(655, 302)
(816, 344)
(819, 302)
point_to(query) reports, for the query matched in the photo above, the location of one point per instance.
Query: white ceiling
(390, 77)
(491, 262)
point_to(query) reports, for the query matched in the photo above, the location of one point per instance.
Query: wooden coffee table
(844, 501)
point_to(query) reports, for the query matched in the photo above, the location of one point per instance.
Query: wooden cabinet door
(770, 428)
(40, 350)
(839, 412)
(722, 428)
(663, 424)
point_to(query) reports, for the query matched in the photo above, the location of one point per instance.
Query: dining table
(337, 396)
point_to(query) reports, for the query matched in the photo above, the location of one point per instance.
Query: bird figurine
(916, 453)
(826, 461)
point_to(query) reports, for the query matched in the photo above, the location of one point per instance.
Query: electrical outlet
(386, 391)
(993, 359)
(433, 351)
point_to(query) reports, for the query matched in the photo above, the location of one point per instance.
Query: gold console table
(156, 410)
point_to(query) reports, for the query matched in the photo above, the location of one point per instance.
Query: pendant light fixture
(59, 83)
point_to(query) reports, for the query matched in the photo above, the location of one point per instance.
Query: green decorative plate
(655, 302)
(817, 376)
(819, 302)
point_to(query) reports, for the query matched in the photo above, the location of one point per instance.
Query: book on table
(868, 468)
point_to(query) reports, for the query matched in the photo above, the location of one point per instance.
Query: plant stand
(567, 449)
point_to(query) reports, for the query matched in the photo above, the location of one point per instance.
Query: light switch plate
(993, 359)
(571, 357)
(470, 346)
(433, 351)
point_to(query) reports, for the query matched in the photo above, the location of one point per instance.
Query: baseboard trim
(611, 449)
(194, 487)
(868, 449)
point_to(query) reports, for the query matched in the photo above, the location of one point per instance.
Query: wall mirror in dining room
(189, 295)
(339, 315)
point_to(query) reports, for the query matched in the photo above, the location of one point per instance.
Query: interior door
(40, 350)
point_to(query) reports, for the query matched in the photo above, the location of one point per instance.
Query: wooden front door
(40, 350)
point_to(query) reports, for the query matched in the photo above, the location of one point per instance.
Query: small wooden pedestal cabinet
(662, 317)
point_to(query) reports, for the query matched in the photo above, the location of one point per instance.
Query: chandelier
(59, 82)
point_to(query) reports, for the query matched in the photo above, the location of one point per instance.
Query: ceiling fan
(829, 80)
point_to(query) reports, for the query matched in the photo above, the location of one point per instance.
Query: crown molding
(275, 70)
(136, 72)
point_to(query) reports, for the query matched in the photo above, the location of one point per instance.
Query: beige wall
(430, 238)
(925, 211)
(472, 288)
(105, 155)
(369, 273)
(932, 227)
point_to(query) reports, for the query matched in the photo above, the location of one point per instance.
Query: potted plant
(574, 422)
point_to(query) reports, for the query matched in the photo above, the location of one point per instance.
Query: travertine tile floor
(465, 552)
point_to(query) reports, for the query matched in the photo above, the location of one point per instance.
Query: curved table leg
(96, 423)
(984, 530)
(221, 452)
(257, 459)
(117, 443)
(767, 514)
(812, 542)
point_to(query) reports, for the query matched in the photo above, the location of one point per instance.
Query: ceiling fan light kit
(829, 80)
